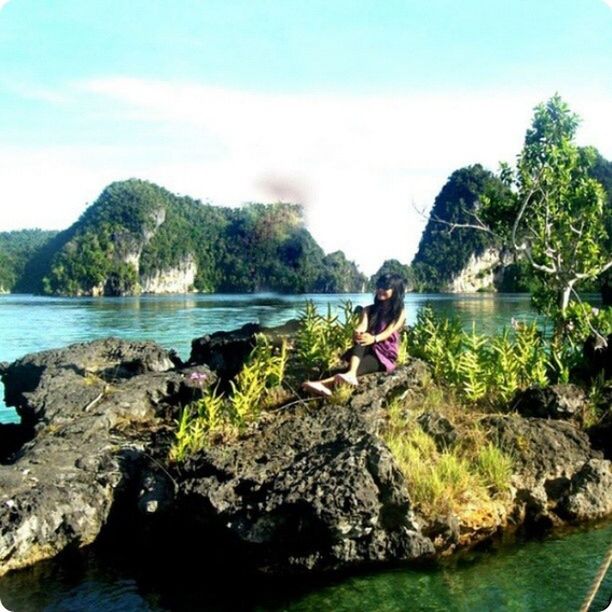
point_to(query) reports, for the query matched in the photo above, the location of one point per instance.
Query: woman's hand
(365, 339)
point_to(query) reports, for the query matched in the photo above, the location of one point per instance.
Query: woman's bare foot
(316, 388)
(347, 379)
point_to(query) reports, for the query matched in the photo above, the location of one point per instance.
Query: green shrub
(478, 366)
(321, 340)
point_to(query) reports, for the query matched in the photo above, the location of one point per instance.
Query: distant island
(140, 238)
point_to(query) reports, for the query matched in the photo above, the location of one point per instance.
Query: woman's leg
(357, 354)
(362, 361)
(369, 364)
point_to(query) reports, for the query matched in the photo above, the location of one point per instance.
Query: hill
(17, 248)
(139, 237)
(467, 260)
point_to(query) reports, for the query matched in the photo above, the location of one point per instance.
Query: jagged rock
(561, 401)
(226, 352)
(443, 531)
(590, 492)
(12, 437)
(94, 407)
(377, 389)
(547, 454)
(439, 428)
(316, 492)
(57, 383)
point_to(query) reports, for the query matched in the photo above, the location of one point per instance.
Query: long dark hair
(389, 310)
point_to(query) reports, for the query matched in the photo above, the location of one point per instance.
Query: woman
(376, 336)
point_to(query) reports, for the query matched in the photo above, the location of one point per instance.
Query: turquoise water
(32, 323)
(553, 575)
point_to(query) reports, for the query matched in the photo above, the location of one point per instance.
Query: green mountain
(17, 248)
(443, 256)
(470, 260)
(140, 237)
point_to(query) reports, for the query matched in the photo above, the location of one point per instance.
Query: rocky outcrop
(93, 410)
(562, 401)
(549, 456)
(481, 273)
(225, 352)
(309, 486)
(178, 279)
(319, 491)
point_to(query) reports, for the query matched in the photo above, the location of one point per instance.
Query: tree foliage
(554, 214)
(16, 249)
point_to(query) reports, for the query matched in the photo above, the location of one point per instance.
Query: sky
(358, 109)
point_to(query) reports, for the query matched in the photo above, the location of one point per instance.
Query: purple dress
(387, 350)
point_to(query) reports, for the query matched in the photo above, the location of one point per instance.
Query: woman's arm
(383, 335)
(363, 321)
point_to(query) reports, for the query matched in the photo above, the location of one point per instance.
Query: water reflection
(536, 576)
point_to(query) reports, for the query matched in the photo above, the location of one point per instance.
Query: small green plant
(321, 340)
(214, 414)
(480, 367)
(341, 395)
(403, 352)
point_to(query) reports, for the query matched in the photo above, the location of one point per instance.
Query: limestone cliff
(179, 279)
(481, 273)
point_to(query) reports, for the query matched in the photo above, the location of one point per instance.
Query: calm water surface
(540, 576)
(553, 575)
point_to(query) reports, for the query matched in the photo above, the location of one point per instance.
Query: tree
(554, 214)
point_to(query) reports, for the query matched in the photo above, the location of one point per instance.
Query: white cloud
(358, 162)
(608, 2)
(3, 3)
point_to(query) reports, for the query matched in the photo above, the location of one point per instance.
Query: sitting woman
(376, 337)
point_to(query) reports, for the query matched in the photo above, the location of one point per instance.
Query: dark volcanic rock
(590, 492)
(562, 401)
(377, 389)
(316, 492)
(547, 454)
(94, 407)
(56, 383)
(226, 352)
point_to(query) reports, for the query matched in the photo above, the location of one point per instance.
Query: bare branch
(480, 226)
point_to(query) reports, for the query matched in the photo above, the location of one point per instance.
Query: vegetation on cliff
(555, 206)
(137, 229)
(443, 254)
(17, 248)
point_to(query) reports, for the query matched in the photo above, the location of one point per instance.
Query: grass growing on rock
(443, 479)
(268, 379)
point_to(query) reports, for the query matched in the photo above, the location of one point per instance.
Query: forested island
(138, 237)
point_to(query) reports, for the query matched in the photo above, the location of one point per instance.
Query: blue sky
(346, 106)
